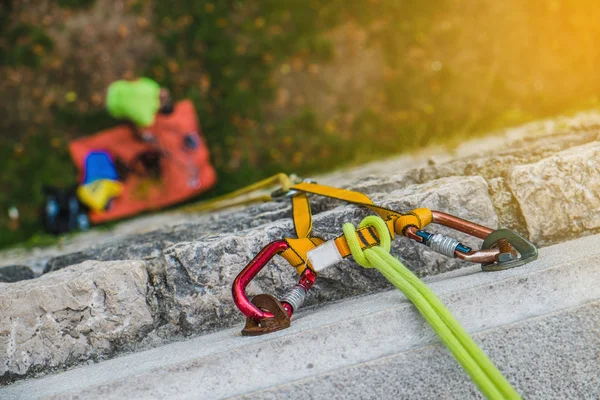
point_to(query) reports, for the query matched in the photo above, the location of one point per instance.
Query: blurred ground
(297, 86)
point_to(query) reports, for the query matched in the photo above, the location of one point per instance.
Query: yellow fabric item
(335, 193)
(231, 199)
(419, 218)
(302, 215)
(296, 254)
(97, 194)
(396, 222)
(344, 195)
(368, 236)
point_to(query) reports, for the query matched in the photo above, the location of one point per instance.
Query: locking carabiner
(264, 313)
(501, 249)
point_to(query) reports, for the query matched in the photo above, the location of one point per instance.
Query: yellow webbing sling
(242, 196)
(296, 255)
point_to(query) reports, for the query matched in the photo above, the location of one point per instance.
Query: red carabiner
(252, 269)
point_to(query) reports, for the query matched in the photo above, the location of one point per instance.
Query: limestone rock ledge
(84, 311)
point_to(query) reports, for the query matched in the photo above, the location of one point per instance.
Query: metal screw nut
(505, 257)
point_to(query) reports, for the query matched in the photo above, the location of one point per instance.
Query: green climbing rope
(483, 372)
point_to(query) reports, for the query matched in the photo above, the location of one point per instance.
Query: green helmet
(137, 101)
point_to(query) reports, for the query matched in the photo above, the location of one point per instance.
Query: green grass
(436, 86)
(31, 44)
(75, 4)
(240, 85)
(212, 32)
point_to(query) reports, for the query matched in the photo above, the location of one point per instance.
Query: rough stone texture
(560, 195)
(498, 162)
(15, 273)
(84, 311)
(506, 206)
(150, 244)
(38, 258)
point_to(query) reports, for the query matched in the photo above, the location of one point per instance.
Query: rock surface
(15, 273)
(85, 311)
(176, 269)
(535, 322)
(560, 195)
(531, 353)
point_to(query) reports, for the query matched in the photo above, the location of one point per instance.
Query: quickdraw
(501, 249)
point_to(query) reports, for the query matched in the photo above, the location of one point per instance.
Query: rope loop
(385, 239)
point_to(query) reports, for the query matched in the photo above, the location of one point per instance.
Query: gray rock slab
(15, 273)
(506, 207)
(560, 195)
(150, 243)
(82, 312)
(37, 258)
(536, 322)
(497, 161)
(580, 122)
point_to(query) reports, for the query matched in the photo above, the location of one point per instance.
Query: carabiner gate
(264, 313)
(501, 249)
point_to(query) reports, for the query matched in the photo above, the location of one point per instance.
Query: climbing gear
(507, 257)
(310, 254)
(168, 174)
(262, 318)
(474, 361)
(370, 245)
(243, 196)
(98, 194)
(136, 101)
(501, 249)
(62, 212)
